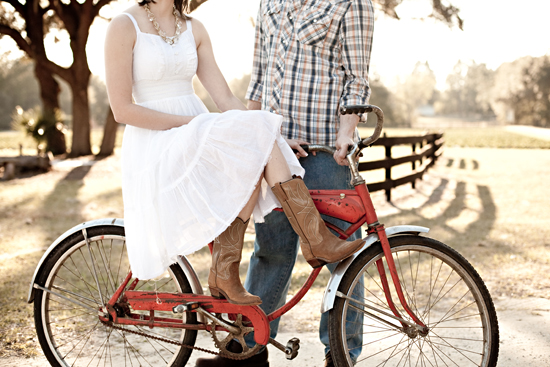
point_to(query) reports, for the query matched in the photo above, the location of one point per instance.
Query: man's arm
(254, 92)
(356, 41)
(356, 33)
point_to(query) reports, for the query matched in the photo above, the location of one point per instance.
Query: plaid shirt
(309, 59)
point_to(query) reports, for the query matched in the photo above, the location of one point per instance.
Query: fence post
(413, 183)
(422, 146)
(431, 142)
(388, 170)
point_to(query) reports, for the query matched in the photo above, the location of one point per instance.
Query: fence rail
(426, 149)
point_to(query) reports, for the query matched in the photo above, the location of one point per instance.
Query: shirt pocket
(318, 18)
(272, 17)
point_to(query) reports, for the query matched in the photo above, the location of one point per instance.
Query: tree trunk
(81, 118)
(109, 135)
(49, 94)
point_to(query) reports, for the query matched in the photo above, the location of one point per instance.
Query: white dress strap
(190, 30)
(133, 21)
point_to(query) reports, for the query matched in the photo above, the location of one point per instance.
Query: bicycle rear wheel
(72, 335)
(442, 289)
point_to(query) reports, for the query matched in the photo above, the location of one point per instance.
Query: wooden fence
(426, 149)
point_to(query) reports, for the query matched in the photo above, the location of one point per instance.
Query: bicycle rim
(441, 288)
(72, 335)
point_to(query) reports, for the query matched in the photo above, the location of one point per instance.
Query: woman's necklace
(170, 40)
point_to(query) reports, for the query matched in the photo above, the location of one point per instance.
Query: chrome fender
(115, 222)
(338, 273)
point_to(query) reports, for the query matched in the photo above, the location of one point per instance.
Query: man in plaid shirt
(311, 56)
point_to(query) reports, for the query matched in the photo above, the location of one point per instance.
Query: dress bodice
(160, 70)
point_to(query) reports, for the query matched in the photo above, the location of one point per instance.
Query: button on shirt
(309, 59)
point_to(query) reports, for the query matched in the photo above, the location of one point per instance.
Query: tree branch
(20, 8)
(447, 13)
(67, 13)
(16, 36)
(100, 4)
(62, 72)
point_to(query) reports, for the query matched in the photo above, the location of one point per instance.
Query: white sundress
(184, 186)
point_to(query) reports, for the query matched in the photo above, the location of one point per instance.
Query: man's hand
(342, 150)
(348, 123)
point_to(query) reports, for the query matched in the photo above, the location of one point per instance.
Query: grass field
(487, 137)
(489, 204)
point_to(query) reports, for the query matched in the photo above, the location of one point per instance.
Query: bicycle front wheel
(440, 287)
(67, 323)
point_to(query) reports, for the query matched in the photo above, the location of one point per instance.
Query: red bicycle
(421, 302)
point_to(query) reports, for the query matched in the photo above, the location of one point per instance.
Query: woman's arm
(119, 44)
(209, 73)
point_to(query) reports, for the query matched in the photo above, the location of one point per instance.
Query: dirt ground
(489, 204)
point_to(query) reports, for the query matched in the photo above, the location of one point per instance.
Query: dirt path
(489, 204)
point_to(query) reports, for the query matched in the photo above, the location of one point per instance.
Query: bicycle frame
(353, 206)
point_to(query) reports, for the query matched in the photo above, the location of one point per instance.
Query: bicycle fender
(334, 282)
(116, 222)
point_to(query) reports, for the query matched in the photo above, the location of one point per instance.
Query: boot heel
(215, 293)
(316, 263)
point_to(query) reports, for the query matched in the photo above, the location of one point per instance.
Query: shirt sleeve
(356, 32)
(254, 92)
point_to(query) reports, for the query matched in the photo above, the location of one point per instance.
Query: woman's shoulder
(122, 26)
(199, 31)
(124, 19)
(197, 24)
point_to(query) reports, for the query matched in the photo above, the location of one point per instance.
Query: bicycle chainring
(222, 343)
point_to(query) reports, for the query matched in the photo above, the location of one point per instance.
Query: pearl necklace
(170, 40)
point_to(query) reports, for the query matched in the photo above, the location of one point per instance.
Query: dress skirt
(184, 186)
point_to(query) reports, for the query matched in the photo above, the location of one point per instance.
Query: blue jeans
(276, 249)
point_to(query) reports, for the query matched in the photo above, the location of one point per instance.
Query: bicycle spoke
(393, 353)
(432, 285)
(81, 277)
(59, 277)
(447, 317)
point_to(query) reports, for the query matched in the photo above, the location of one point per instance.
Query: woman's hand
(295, 144)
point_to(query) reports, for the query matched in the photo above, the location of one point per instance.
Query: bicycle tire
(72, 335)
(443, 290)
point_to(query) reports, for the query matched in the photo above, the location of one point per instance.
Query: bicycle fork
(419, 325)
(376, 227)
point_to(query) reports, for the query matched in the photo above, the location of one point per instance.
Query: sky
(495, 31)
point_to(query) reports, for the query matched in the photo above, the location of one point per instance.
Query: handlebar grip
(359, 109)
(355, 109)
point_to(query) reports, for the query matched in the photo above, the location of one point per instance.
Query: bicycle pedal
(291, 350)
(185, 307)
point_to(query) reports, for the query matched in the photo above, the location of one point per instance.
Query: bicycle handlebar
(354, 109)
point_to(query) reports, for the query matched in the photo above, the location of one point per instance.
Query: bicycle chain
(171, 341)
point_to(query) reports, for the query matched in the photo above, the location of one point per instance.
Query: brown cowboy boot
(223, 279)
(319, 245)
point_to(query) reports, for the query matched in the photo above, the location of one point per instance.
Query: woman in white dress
(190, 177)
